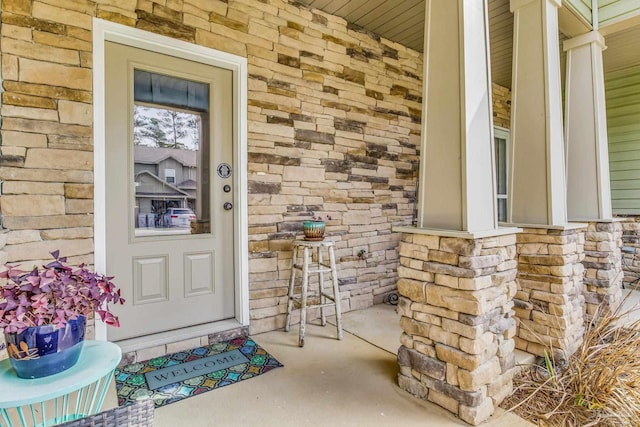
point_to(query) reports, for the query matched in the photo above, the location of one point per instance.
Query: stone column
(549, 303)
(603, 264)
(456, 307)
(457, 273)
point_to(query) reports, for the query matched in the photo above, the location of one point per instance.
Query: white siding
(623, 120)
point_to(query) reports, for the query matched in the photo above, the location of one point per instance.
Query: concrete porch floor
(326, 383)
(630, 305)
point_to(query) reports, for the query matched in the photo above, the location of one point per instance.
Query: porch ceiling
(623, 49)
(402, 21)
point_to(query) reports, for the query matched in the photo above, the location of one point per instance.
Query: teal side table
(69, 395)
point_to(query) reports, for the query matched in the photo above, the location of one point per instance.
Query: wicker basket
(140, 414)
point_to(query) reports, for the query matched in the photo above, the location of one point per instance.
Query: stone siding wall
(456, 300)
(501, 106)
(334, 119)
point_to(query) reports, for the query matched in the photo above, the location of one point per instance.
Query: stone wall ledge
(569, 226)
(599, 220)
(501, 231)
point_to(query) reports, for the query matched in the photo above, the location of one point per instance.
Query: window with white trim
(501, 142)
(170, 176)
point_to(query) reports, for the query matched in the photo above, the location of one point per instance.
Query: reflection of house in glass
(164, 178)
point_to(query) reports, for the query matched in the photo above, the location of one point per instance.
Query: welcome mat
(177, 376)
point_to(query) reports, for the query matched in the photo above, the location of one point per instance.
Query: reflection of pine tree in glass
(165, 128)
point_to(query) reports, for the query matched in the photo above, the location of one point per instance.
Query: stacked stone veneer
(333, 128)
(456, 299)
(501, 97)
(550, 304)
(603, 266)
(631, 251)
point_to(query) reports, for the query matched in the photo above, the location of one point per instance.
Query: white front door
(169, 196)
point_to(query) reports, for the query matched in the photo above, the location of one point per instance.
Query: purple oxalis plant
(54, 294)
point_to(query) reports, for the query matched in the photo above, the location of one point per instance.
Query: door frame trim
(104, 31)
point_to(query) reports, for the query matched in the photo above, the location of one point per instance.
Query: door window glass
(170, 155)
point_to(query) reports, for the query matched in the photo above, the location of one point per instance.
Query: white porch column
(588, 188)
(537, 194)
(456, 190)
(549, 303)
(457, 270)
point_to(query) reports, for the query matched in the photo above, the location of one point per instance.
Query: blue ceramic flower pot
(41, 351)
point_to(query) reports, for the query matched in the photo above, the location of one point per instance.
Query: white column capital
(517, 4)
(588, 38)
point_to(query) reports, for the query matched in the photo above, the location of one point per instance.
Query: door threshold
(176, 336)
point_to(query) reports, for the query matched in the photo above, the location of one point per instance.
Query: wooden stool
(307, 266)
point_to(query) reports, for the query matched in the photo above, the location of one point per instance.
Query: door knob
(227, 206)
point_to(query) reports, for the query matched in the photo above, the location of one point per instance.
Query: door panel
(150, 282)
(199, 273)
(169, 239)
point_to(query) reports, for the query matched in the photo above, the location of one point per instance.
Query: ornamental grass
(599, 385)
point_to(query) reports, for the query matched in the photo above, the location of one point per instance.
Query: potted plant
(314, 228)
(43, 314)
